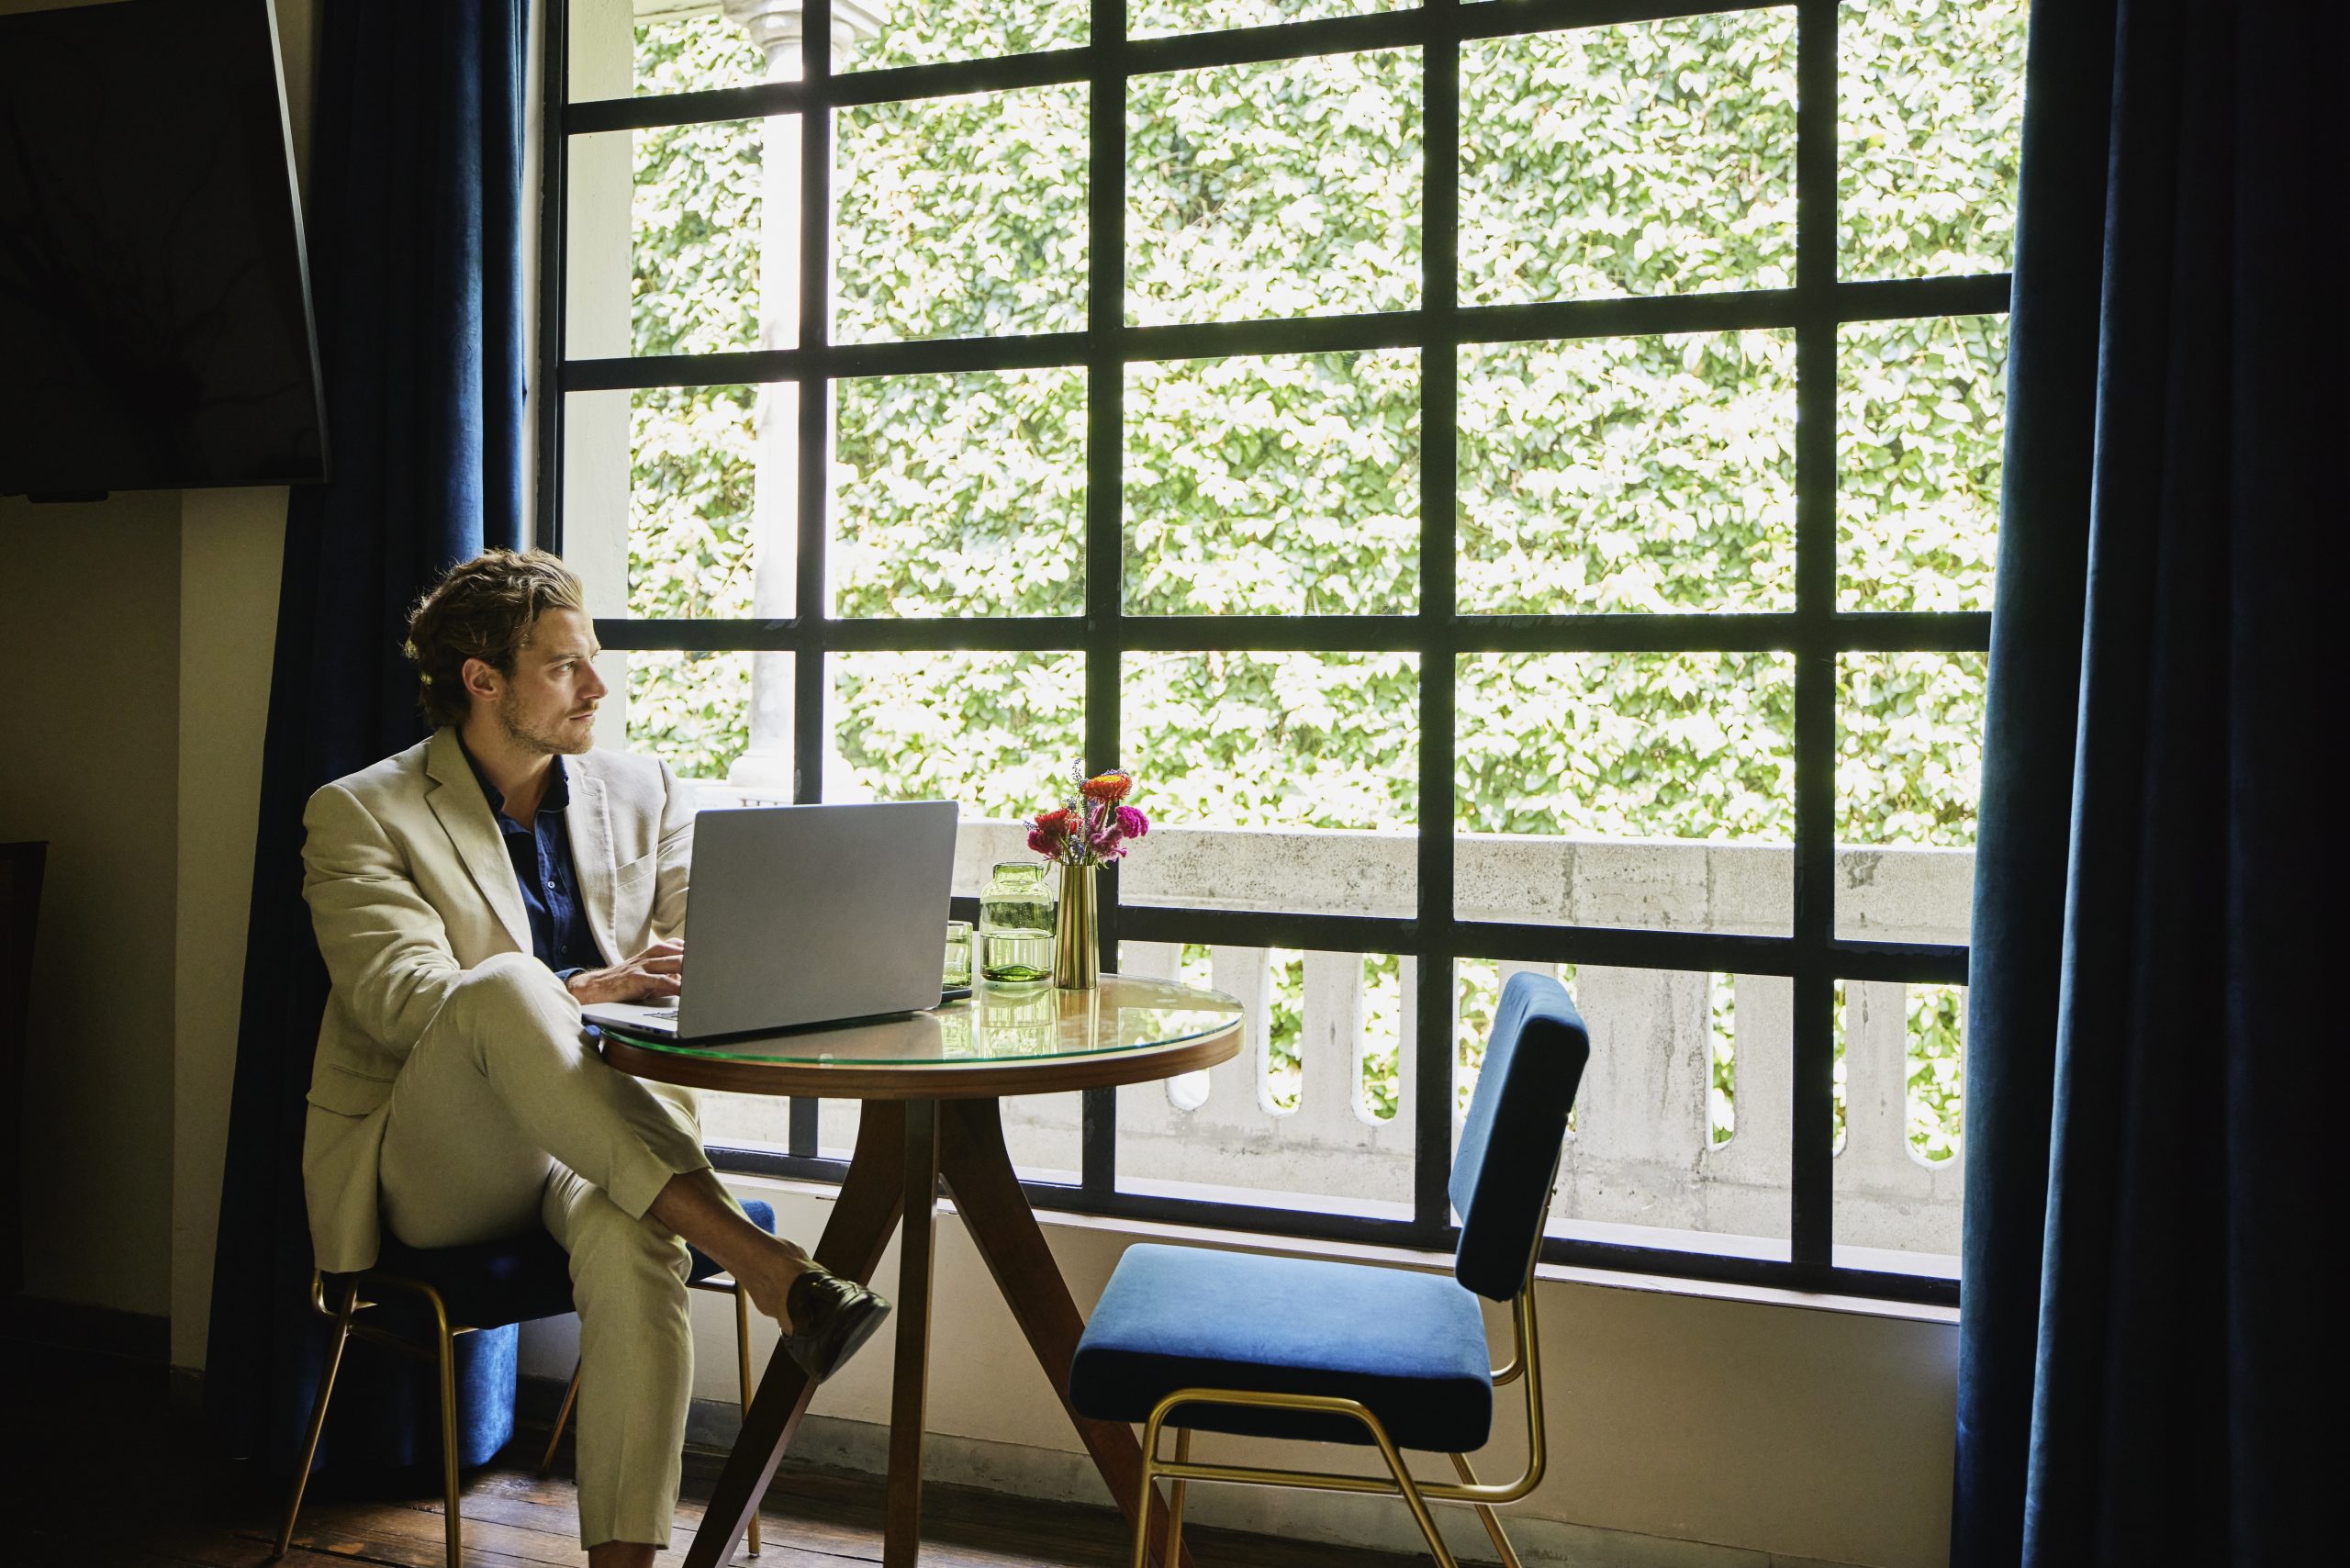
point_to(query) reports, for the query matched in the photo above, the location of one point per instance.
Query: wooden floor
(94, 1472)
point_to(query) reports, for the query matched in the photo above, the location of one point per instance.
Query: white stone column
(780, 27)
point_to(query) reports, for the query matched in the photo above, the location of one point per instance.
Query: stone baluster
(1240, 1090)
(1163, 961)
(1330, 1046)
(1747, 1180)
(1876, 1086)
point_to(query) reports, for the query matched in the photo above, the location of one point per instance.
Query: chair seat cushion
(515, 1279)
(485, 1284)
(1411, 1347)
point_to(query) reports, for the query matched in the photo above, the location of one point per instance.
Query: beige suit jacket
(409, 887)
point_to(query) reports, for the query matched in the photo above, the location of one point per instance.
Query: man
(469, 894)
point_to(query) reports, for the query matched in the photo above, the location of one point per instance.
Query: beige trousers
(504, 1117)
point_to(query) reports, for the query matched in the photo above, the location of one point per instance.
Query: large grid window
(1517, 480)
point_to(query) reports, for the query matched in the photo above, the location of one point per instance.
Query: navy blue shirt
(560, 936)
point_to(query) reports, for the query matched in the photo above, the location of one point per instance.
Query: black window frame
(1816, 633)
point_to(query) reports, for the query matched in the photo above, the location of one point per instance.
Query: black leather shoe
(831, 1317)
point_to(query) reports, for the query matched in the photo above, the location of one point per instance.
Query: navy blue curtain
(415, 236)
(2149, 1075)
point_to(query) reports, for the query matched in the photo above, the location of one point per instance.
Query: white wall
(232, 543)
(89, 635)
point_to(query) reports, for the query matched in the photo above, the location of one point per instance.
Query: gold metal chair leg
(1175, 1499)
(1411, 1490)
(318, 1414)
(562, 1418)
(1150, 1490)
(1485, 1512)
(743, 1366)
(446, 1344)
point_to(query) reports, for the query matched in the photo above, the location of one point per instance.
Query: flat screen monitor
(155, 326)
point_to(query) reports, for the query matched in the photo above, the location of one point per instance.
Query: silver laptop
(806, 914)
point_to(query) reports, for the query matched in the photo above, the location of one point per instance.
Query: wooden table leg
(995, 1210)
(909, 1374)
(863, 1216)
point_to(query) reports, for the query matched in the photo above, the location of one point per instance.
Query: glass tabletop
(998, 1025)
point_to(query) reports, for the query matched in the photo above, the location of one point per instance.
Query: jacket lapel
(589, 819)
(457, 801)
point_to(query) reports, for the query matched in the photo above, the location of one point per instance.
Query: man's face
(548, 704)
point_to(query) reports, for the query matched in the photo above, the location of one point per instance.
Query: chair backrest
(1517, 1127)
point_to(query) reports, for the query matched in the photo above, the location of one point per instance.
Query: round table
(931, 1082)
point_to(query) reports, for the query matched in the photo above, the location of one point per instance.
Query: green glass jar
(1016, 924)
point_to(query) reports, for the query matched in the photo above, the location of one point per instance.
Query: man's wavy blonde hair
(482, 608)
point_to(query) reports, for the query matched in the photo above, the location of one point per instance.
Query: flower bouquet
(1088, 831)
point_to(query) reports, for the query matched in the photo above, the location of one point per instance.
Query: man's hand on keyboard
(654, 974)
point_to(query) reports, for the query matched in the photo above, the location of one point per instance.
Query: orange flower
(1107, 788)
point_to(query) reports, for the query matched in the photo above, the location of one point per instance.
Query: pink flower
(1045, 845)
(1132, 823)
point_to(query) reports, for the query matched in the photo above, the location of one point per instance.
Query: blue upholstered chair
(465, 1289)
(1320, 1351)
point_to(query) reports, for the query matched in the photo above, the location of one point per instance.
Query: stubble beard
(547, 740)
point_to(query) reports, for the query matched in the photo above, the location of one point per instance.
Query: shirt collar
(557, 797)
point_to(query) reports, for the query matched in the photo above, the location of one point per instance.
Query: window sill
(1399, 1257)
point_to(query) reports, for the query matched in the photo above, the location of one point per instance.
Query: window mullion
(1105, 197)
(1439, 395)
(808, 667)
(1811, 1172)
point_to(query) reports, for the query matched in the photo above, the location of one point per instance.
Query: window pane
(744, 1121)
(1626, 790)
(678, 501)
(1285, 782)
(1311, 1114)
(1921, 415)
(1930, 97)
(1644, 1165)
(693, 480)
(1617, 475)
(997, 732)
(960, 30)
(1899, 1176)
(1282, 486)
(1291, 188)
(960, 495)
(1908, 774)
(1156, 18)
(668, 244)
(693, 710)
(961, 217)
(1645, 158)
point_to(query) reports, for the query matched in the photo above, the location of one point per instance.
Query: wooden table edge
(929, 1080)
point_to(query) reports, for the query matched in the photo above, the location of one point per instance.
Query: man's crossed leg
(504, 1117)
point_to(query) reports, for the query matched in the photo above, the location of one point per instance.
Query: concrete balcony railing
(1643, 1166)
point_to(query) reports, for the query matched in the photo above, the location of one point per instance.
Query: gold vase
(1077, 944)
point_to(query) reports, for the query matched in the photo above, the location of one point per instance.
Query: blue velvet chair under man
(1203, 1340)
(459, 1290)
